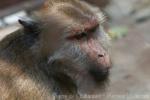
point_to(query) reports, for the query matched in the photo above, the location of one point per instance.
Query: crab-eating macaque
(61, 50)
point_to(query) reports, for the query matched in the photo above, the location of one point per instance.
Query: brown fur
(38, 62)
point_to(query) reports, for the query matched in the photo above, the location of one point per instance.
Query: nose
(104, 60)
(101, 55)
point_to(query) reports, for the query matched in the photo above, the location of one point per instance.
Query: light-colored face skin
(76, 34)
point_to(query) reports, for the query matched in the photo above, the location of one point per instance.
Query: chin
(99, 74)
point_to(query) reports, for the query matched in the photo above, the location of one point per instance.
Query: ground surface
(130, 79)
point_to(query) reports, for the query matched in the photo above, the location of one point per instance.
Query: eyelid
(92, 30)
(78, 36)
(81, 35)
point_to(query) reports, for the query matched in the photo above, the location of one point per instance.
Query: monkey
(61, 51)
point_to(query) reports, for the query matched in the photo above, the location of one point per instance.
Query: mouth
(99, 75)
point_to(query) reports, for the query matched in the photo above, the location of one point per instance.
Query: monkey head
(72, 32)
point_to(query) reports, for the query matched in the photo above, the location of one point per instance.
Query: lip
(98, 74)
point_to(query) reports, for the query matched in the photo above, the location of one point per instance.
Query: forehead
(76, 12)
(70, 17)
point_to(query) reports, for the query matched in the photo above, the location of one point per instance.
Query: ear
(29, 25)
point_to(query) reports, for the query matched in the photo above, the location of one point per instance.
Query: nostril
(101, 55)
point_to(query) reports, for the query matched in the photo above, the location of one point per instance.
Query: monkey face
(86, 50)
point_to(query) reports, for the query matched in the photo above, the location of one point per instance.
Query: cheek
(96, 52)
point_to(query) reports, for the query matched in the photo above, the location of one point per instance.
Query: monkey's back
(18, 76)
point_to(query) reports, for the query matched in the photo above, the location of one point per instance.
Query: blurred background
(128, 24)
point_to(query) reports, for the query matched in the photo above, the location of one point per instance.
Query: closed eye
(78, 36)
(84, 34)
(81, 35)
(93, 29)
(87, 33)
